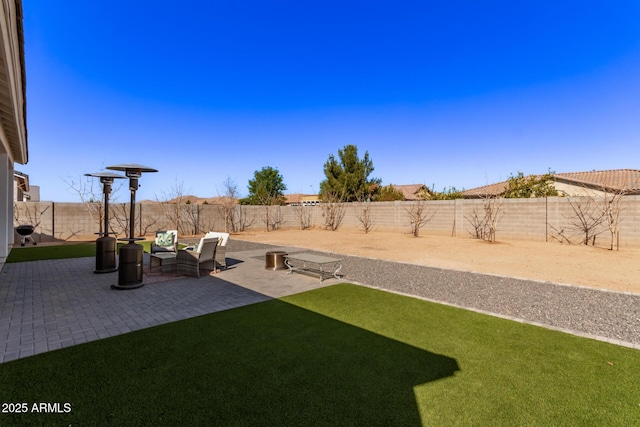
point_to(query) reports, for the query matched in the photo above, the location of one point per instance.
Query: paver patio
(47, 305)
(51, 304)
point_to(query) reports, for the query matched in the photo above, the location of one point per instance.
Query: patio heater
(105, 245)
(130, 271)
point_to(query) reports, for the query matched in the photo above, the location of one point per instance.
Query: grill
(25, 231)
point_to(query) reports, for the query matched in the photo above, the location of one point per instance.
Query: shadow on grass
(270, 363)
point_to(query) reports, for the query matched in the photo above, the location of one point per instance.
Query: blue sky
(458, 93)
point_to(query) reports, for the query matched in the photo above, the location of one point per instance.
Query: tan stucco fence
(542, 219)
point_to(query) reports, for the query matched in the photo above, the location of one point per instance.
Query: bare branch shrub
(493, 211)
(90, 193)
(227, 204)
(559, 235)
(271, 212)
(178, 211)
(485, 223)
(32, 214)
(365, 215)
(303, 215)
(333, 210)
(478, 223)
(242, 220)
(272, 217)
(419, 216)
(587, 219)
(612, 210)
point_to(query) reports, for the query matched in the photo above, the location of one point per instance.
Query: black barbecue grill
(25, 231)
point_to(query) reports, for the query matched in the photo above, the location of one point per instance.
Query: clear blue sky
(459, 93)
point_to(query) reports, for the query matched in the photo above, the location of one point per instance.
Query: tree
(388, 194)
(485, 224)
(333, 210)
(178, 210)
(612, 210)
(90, 193)
(521, 186)
(228, 203)
(349, 177)
(450, 193)
(418, 216)
(303, 214)
(365, 215)
(588, 218)
(267, 187)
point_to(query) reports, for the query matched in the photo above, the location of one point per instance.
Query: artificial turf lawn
(39, 253)
(340, 355)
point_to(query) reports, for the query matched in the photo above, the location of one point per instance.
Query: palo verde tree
(348, 177)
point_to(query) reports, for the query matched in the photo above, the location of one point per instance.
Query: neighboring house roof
(412, 191)
(486, 190)
(293, 198)
(22, 180)
(297, 198)
(627, 180)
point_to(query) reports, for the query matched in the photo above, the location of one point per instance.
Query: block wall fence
(541, 219)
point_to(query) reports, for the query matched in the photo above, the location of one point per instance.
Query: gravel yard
(610, 315)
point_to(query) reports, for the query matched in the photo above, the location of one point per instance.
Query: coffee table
(314, 264)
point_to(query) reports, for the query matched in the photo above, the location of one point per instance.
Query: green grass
(39, 253)
(342, 355)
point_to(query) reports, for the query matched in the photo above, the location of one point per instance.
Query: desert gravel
(606, 315)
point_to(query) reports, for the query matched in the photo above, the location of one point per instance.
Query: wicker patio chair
(166, 241)
(202, 256)
(221, 251)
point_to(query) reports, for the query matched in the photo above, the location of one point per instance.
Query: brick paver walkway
(52, 304)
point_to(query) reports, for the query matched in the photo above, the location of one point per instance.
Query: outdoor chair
(202, 256)
(221, 251)
(166, 241)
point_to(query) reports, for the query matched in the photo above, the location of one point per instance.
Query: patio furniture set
(208, 253)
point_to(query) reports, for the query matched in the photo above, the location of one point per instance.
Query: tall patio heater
(105, 245)
(130, 271)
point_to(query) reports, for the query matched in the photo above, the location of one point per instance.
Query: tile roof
(486, 190)
(612, 180)
(615, 180)
(299, 198)
(409, 191)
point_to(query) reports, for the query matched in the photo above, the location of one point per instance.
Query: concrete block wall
(523, 219)
(551, 219)
(630, 222)
(38, 214)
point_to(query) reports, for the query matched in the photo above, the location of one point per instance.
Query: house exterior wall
(6, 205)
(569, 189)
(543, 219)
(13, 131)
